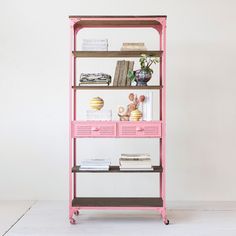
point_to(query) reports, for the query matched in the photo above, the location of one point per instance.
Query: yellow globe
(96, 103)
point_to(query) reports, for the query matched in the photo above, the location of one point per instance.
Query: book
(130, 68)
(117, 72)
(135, 161)
(122, 66)
(135, 156)
(124, 74)
(87, 169)
(93, 83)
(133, 47)
(95, 41)
(95, 164)
(136, 169)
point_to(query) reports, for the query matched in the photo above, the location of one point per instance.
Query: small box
(99, 115)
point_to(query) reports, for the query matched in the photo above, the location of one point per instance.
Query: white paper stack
(95, 165)
(141, 162)
(95, 45)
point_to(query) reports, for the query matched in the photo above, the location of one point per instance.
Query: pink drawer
(92, 129)
(139, 129)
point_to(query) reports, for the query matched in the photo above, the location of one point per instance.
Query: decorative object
(143, 75)
(132, 107)
(122, 113)
(135, 115)
(146, 107)
(96, 103)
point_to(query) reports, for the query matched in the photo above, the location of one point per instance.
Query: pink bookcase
(116, 129)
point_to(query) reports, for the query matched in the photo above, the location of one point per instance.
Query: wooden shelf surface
(105, 87)
(117, 202)
(116, 169)
(116, 53)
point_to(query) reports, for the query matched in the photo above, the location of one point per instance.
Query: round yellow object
(135, 115)
(96, 103)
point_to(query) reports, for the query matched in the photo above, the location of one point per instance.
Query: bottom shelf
(117, 202)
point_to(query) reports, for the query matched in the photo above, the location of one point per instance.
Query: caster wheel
(166, 222)
(76, 213)
(72, 221)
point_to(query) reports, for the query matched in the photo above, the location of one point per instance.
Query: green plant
(145, 64)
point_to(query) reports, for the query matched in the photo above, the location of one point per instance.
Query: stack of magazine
(95, 165)
(135, 162)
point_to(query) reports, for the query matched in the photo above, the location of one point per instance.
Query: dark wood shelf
(106, 87)
(117, 21)
(116, 53)
(117, 202)
(116, 169)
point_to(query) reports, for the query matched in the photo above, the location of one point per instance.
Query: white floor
(51, 218)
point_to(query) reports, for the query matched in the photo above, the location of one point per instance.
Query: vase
(136, 115)
(142, 77)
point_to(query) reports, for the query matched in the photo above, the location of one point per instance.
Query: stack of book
(121, 72)
(95, 165)
(133, 47)
(135, 162)
(95, 45)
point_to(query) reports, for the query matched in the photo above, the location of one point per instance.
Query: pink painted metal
(119, 208)
(93, 129)
(116, 129)
(139, 129)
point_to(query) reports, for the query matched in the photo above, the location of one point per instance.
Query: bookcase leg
(164, 216)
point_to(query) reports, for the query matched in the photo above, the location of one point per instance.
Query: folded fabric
(95, 77)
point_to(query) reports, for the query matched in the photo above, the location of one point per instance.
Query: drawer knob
(139, 129)
(95, 129)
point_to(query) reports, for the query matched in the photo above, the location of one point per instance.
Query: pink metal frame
(161, 28)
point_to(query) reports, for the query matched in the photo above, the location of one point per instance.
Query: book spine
(122, 66)
(125, 72)
(116, 76)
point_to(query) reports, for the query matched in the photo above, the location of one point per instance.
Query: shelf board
(116, 53)
(116, 169)
(117, 202)
(106, 87)
(119, 16)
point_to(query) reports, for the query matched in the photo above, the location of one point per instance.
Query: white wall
(34, 44)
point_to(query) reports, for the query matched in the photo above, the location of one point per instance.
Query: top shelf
(117, 21)
(116, 53)
(96, 16)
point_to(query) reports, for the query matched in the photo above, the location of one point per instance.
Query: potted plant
(144, 74)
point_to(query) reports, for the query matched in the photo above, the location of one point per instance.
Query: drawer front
(93, 129)
(139, 129)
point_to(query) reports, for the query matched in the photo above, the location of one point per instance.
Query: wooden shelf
(116, 53)
(116, 169)
(152, 87)
(112, 16)
(117, 202)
